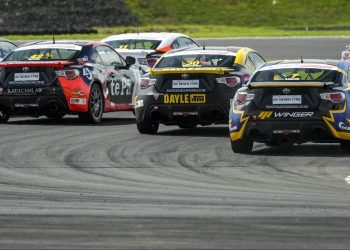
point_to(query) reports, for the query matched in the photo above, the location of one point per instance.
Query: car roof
(145, 35)
(50, 45)
(6, 40)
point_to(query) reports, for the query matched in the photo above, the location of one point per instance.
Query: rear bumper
(289, 131)
(33, 105)
(174, 114)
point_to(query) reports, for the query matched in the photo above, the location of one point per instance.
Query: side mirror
(130, 60)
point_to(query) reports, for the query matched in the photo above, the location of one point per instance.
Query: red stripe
(58, 64)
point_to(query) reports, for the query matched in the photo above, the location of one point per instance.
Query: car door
(120, 79)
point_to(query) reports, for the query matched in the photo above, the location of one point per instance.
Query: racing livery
(55, 79)
(148, 47)
(192, 86)
(289, 102)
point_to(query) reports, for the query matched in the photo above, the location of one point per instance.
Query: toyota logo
(286, 91)
(185, 76)
(25, 69)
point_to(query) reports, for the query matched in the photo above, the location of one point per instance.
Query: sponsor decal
(22, 77)
(301, 106)
(342, 126)
(185, 84)
(265, 115)
(25, 91)
(87, 73)
(293, 114)
(139, 104)
(184, 99)
(78, 101)
(120, 87)
(185, 90)
(286, 99)
(78, 92)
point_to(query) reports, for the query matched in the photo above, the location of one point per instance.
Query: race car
(54, 79)
(293, 102)
(6, 47)
(192, 86)
(148, 47)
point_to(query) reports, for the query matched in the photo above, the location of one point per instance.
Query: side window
(6, 48)
(250, 63)
(175, 44)
(96, 58)
(109, 56)
(186, 42)
(256, 60)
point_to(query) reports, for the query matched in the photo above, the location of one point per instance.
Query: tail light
(243, 98)
(335, 97)
(70, 74)
(146, 82)
(150, 62)
(231, 81)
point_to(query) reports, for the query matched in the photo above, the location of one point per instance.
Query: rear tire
(148, 127)
(345, 146)
(4, 116)
(96, 106)
(242, 146)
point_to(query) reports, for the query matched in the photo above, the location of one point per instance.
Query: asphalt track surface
(66, 185)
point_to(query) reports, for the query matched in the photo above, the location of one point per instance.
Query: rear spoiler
(287, 84)
(56, 64)
(207, 70)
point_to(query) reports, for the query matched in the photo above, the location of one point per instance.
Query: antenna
(203, 46)
(53, 38)
(301, 60)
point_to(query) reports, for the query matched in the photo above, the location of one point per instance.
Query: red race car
(54, 79)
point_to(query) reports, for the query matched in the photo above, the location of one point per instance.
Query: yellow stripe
(238, 135)
(261, 114)
(264, 116)
(269, 114)
(328, 120)
(189, 70)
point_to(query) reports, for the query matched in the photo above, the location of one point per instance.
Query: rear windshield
(296, 75)
(42, 54)
(135, 44)
(196, 60)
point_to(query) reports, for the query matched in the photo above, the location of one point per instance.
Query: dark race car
(6, 47)
(291, 102)
(56, 79)
(192, 87)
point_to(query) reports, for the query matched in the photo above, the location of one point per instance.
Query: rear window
(135, 44)
(296, 75)
(42, 54)
(196, 60)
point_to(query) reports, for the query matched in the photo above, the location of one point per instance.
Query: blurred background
(197, 18)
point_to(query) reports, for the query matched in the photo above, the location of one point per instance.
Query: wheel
(55, 116)
(148, 127)
(4, 116)
(189, 125)
(242, 146)
(345, 146)
(96, 106)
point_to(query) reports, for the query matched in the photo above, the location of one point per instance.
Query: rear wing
(204, 70)
(288, 84)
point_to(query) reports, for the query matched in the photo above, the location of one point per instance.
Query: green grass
(252, 13)
(195, 31)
